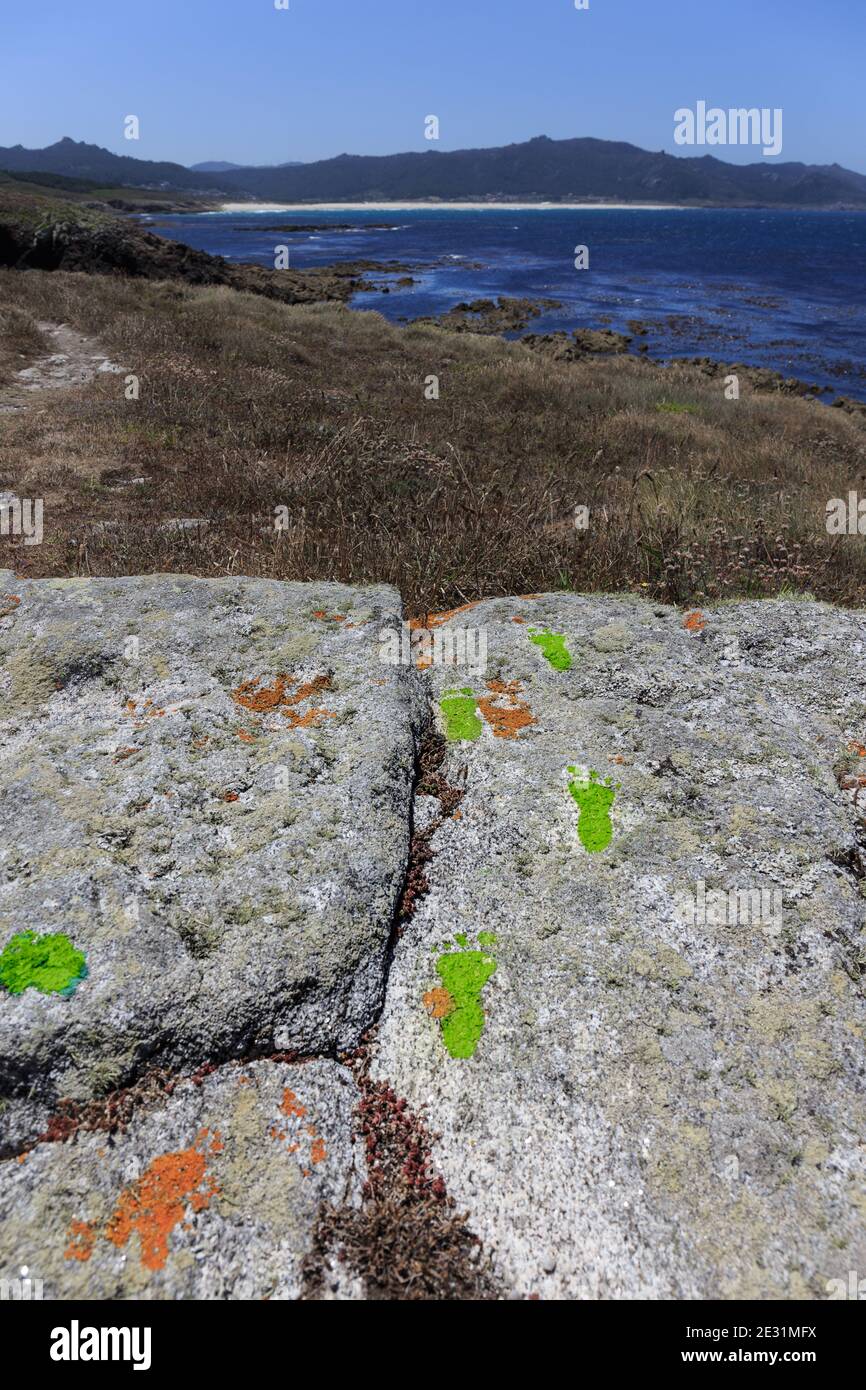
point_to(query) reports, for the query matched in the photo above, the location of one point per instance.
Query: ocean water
(785, 290)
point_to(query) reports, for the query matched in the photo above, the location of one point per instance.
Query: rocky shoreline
(109, 246)
(506, 316)
(97, 244)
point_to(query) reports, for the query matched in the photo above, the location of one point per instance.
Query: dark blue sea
(785, 290)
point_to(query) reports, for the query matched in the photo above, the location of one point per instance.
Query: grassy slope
(25, 187)
(22, 204)
(248, 404)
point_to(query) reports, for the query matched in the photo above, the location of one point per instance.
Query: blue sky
(240, 80)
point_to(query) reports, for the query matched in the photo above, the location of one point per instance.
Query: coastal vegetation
(299, 440)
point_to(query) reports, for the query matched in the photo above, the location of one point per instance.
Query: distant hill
(76, 159)
(558, 170)
(562, 170)
(222, 166)
(214, 166)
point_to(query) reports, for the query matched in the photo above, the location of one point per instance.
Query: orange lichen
(216, 1140)
(510, 688)
(439, 1003)
(82, 1238)
(13, 601)
(156, 1203)
(309, 688)
(123, 753)
(245, 736)
(429, 622)
(148, 710)
(264, 699)
(230, 796)
(508, 718)
(694, 622)
(857, 748)
(312, 719)
(433, 620)
(201, 742)
(518, 620)
(291, 1105)
(506, 723)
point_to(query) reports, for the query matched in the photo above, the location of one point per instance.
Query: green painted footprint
(461, 717)
(50, 964)
(464, 974)
(553, 646)
(595, 798)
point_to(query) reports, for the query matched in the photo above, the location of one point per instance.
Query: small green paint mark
(461, 717)
(487, 938)
(553, 646)
(595, 798)
(464, 974)
(461, 939)
(50, 964)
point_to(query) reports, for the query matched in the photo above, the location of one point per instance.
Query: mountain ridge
(580, 169)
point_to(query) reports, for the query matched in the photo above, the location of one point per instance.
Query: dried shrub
(406, 1241)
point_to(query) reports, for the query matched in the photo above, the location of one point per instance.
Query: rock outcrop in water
(612, 951)
(101, 245)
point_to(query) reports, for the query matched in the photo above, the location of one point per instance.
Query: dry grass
(248, 405)
(20, 341)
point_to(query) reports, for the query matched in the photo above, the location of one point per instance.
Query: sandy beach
(449, 207)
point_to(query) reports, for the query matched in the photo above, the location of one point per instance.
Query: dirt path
(75, 360)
